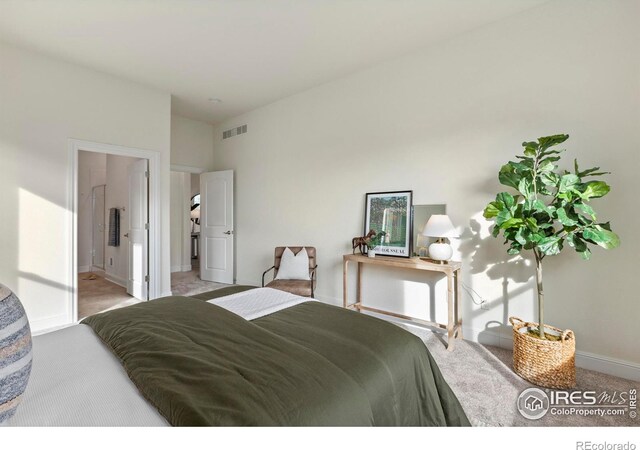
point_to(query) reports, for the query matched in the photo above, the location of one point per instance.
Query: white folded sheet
(257, 303)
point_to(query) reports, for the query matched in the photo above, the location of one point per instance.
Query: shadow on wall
(492, 260)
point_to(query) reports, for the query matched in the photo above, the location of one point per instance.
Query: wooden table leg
(458, 305)
(359, 287)
(345, 264)
(451, 323)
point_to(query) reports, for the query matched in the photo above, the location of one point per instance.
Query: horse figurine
(362, 242)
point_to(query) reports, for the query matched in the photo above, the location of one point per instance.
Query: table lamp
(440, 226)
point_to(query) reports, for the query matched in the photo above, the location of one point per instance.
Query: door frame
(155, 244)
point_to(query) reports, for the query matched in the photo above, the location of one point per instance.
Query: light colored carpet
(98, 295)
(189, 283)
(482, 379)
(95, 294)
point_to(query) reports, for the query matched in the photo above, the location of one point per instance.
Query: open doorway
(112, 201)
(115, 198)
(194, 218)
(186, 242)
(185, 232)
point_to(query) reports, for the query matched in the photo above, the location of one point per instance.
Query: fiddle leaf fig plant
(550, 208)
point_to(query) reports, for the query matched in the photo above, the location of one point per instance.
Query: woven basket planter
(545, 363)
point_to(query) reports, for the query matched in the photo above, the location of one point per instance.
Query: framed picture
(390, 213)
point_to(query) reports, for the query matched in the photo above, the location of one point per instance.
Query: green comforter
(312, 364)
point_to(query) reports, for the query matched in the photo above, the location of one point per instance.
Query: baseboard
(247, 282)
(48, 324)
(186, 268)
(327, 299)
(98, 270)
(115, 279)
(611, 366)
(83, 269)
(176, 269)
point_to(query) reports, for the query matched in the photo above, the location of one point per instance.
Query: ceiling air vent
(234, 132)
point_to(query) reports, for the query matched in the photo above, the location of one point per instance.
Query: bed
(233, 357)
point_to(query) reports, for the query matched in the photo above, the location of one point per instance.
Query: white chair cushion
(294, 267)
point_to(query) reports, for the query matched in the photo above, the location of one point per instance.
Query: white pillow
(294, 267)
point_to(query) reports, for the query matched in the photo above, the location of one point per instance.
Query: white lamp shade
(440, 226)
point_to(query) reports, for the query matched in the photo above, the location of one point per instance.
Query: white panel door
(216, 226)
(138, 281)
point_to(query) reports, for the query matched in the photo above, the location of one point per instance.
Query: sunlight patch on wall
(43, 259)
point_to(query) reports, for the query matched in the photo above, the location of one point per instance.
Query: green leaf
(546, 167)
(532, 224)
(568, 182)
(586, 209)
(524, 187)
(495, 231)
(586, 254)
(605, 225)
(542, 208)
(492, 210)
(503, 216)
(604, 238)
(536, 237)
(508, 176)
(576, 242)
(520, 236)
(549, 179)
(511, 223)
(595, 189)
(551, 245)
(550, 141)
(514, 249)
(507, 199)
(522, 167)
(565, 217)
(593, 172)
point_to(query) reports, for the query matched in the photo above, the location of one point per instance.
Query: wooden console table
(451, 270)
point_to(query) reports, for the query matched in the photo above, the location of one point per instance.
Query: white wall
(45, 102)
(191, 143)
(180, 222)
(92, 170)
(441, 122)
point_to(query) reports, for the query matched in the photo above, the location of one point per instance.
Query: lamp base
(440, 251)
(434, 261)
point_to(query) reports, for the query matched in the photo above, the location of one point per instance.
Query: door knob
(228, 232)
(126, 235)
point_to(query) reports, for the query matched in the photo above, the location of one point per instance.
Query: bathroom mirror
(420, 215)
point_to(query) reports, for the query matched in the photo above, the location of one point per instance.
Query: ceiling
(247, 53)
